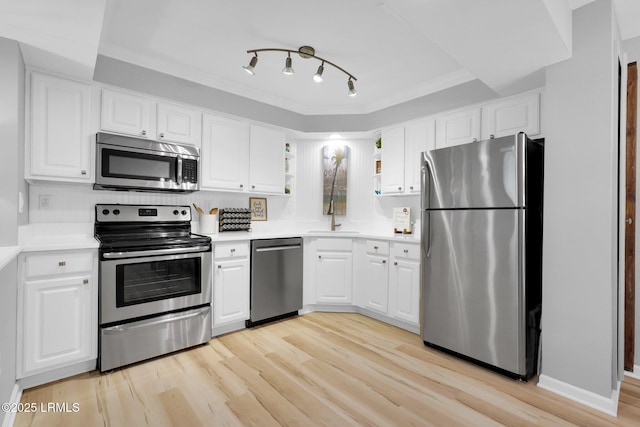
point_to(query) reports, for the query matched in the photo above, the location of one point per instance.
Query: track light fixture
(304, 52)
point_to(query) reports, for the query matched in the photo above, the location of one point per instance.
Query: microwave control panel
(190, 170)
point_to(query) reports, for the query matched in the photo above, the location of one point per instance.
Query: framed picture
(258, 206)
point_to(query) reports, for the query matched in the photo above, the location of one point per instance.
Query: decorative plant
(379, 143)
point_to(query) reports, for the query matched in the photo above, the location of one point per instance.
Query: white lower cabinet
(231, 281)
(57, 310)
(404, 282)
(374, 279)
(334, 271)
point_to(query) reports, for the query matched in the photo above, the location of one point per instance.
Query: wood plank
(318, 369)
(630, 216)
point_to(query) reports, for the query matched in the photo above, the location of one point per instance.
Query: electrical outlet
(44, 201)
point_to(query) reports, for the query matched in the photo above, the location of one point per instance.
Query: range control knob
(105, 211)
(176, 212)
(116, 211)
(183, 212)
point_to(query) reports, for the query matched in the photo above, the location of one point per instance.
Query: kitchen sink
(333, 232)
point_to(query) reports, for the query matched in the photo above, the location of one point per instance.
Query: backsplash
(51, 202)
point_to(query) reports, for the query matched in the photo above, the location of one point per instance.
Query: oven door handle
(164, 319)
(131, 254)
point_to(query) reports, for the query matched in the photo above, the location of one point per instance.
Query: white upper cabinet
(266, 160)
(225, 154)
(419, 136)
(177, 123)
(392, 156)
(127, 113)
(143, 117)
(512, 115)
(59, 144)
(460, 127)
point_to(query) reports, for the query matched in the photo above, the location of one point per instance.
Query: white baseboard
(635, 374)
(607, 405)
(57, 374)
(347, 308)
(10, 417)
(225, 329)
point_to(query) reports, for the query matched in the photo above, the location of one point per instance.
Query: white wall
(579, 342)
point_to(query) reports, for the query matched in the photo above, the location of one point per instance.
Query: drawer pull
(406, 251)
(375, 247)
(384, 261)
(85, 281)
(395, 263)
(233, 250)
(219, 266)
(62, 263)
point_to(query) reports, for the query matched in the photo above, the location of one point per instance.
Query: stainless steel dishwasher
(276, 279)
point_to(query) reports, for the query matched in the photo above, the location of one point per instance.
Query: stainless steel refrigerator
(481, 265)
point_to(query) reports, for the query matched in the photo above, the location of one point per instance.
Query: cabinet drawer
(402, 250)
(377, 247)
(58, 263)
(333, 245)
(231, 250)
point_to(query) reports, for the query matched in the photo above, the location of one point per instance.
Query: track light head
(252, 64)
(317, 77)
(352, 89)
(287, 70)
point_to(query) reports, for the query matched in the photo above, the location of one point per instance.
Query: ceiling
(398, 50)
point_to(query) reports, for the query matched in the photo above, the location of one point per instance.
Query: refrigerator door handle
(428, 234)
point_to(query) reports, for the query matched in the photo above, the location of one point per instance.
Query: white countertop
(56, 237)
(7, 254)
(63, 236)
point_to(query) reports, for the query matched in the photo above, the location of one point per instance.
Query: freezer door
(473, 285)
(484, 174)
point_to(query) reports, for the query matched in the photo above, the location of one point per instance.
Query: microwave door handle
(179, 172)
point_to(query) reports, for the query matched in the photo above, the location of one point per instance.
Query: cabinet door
(59, 326)
(225, 153)
(404, 290)
(127, 113)
(334, 272)
(376, 283)
(392, 156)
(458, 128)
(60, 129)
(418, 137)
(510, 116)
(178, 123)
(266, 160)
(230, 291)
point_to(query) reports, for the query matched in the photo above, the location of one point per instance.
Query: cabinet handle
(384, 261)
(241, 185)
(395, 263)
(319, 256)
(219, 266)
(400, 188)
(475, 139)
(83, 172)
(375, 247)
(253, 186)
(233, 250)
(491, 136)
(406, 251)
(161, 135)
(411, 188)
(62, 264)
(144, 132)
(85, 282)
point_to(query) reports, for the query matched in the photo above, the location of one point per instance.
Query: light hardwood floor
(318, 369)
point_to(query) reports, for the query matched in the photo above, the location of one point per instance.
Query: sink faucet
(333, 216)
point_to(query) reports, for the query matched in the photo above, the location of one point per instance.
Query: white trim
(592, 400)
(57, 374)
(225, 329)
(10, 417)
(635, 374)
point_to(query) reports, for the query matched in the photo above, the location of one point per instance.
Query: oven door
(131, 288)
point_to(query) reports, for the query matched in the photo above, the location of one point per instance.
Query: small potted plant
(378, 144)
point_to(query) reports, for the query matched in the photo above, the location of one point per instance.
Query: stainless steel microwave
(134, 164)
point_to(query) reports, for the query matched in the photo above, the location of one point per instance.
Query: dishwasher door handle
(278, 248)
